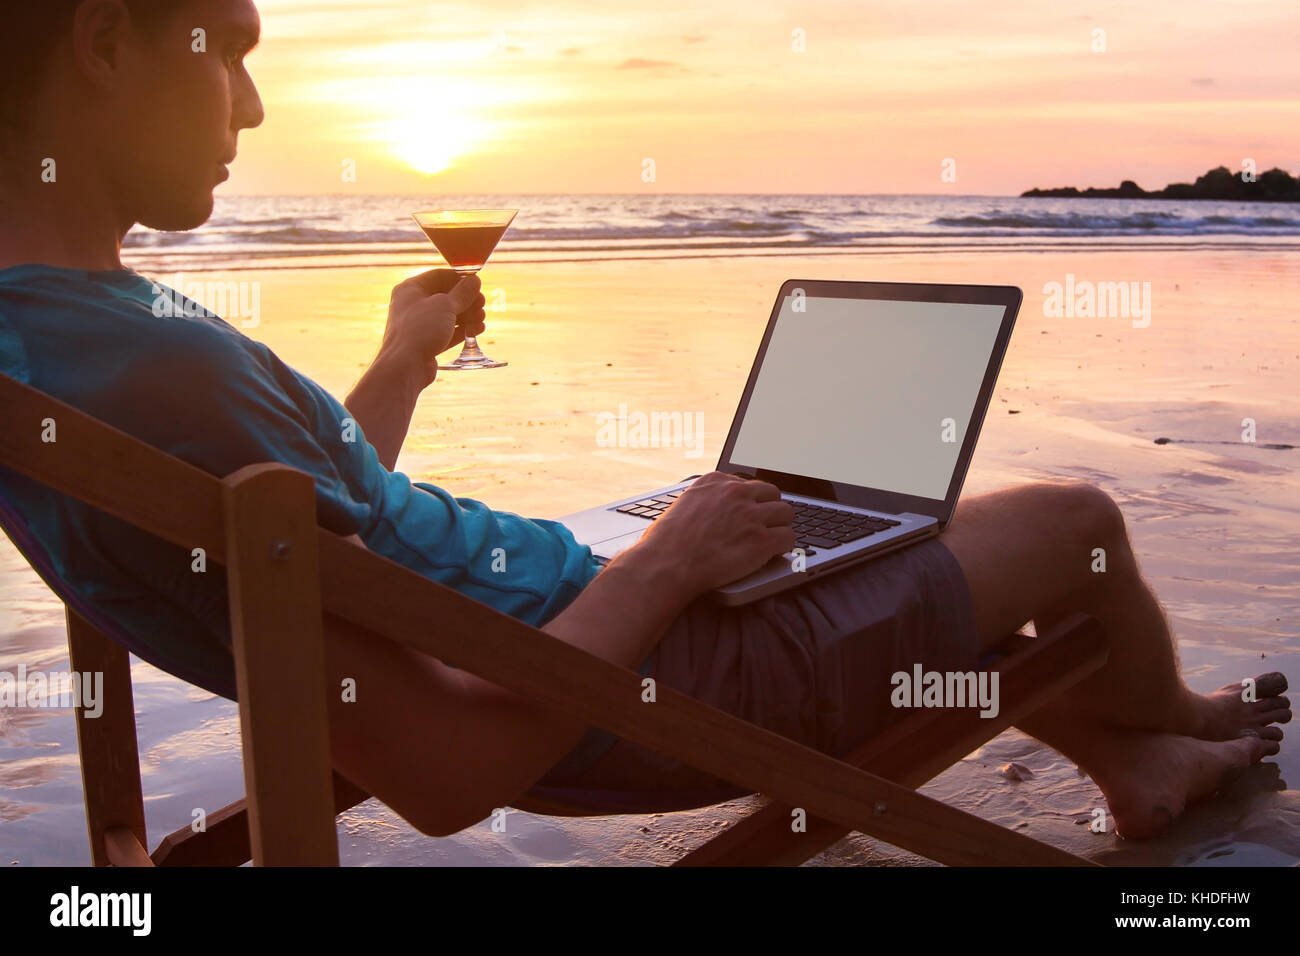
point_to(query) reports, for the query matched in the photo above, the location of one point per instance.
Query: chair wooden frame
(284, 573)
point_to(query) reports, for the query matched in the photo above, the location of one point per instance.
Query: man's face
(184, 97)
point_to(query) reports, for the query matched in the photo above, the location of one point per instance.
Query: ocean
(368, 230)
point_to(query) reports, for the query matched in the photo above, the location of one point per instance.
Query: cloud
(1202, 81)
(570, 51)
(694, 39)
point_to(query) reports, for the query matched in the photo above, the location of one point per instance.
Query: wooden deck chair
(284, 573)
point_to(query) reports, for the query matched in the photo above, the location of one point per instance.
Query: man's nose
(247, 112)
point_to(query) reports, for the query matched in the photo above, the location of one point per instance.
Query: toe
(1276, 710)
(1271, 684)
(1257, 745)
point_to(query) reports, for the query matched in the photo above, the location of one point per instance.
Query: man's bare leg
(1028, 554)
(1148, 778)
(1020, 550)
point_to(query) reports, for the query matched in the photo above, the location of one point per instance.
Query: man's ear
(98, 32)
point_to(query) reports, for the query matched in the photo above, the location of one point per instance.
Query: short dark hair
(33, 29)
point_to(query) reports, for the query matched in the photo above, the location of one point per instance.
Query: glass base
(485, 362)
(471, 356)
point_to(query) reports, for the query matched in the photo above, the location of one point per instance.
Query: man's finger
(432, 282)
(463, 294)
(713, 477)
(776, 514)
(763, 491)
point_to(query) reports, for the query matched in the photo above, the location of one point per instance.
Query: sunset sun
(429, 130)
(428, 148)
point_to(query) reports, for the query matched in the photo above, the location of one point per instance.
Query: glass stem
(471, 350)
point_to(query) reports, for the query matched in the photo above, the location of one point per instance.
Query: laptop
(862, 407)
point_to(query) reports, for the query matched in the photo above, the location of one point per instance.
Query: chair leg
(225, 841)
(273, 577)
(110, 758)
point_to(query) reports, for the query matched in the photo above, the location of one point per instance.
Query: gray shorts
(812, 664)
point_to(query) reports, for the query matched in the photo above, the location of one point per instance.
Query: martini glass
(466, 238)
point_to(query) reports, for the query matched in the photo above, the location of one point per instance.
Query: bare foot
(1149, 779)
(1223, 715)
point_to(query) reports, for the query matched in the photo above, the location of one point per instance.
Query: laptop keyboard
(815, 526)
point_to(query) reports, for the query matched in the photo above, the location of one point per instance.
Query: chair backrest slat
(109, 469)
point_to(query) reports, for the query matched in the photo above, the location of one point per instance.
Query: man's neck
(70, 221)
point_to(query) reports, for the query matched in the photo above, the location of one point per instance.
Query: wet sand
(1213, 519)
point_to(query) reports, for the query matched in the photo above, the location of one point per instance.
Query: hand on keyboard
(719, 529)
(816, 527)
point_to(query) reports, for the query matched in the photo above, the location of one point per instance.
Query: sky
(838, 96)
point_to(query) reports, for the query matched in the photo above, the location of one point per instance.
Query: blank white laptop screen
(859, 391)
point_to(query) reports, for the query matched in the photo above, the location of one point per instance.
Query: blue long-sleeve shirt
(197, 388)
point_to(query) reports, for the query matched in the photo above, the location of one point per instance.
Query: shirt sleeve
(247, 406)
(243, 406)
(529, 568)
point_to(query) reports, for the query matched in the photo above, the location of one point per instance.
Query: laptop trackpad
(607, 549)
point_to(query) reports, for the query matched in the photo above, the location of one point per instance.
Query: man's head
(146, 96)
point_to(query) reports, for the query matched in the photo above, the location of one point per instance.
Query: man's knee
(1096, 518)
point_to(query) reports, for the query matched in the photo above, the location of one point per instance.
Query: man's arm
(428, 314)
(443, 747)
(384, 401)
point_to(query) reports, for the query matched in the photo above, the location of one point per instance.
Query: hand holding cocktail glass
(466, 238)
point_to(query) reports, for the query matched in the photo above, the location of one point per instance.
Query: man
(139, 128)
